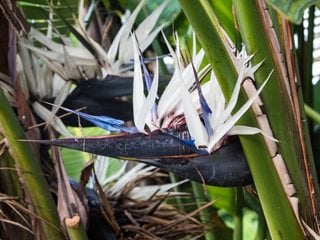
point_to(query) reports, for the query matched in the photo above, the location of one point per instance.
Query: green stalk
(307, 60)
(276, 99)
(311, 113)
(238, 217)
(261, 231)
(25, 160)
(267, 182)
(205, 214)
(177, 199)
(237, 232)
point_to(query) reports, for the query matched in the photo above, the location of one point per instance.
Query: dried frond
(142, 211)
(19, 209)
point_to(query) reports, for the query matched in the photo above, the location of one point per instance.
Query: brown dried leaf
(69, 203)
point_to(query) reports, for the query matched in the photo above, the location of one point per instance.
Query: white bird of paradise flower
(206, 100)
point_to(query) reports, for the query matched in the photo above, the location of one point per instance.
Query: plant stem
(205, 214)
(31, 173)
(311, 113)
(277, 99)
(238, 217)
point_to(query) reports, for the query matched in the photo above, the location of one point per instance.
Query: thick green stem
(205, 214)
(31, 173)
(280, 218)
(260, 41)
(238, 217)
(311, 113)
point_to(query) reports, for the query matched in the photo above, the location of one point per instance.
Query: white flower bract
(177, 99)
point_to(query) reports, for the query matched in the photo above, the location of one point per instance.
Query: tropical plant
(242, 76)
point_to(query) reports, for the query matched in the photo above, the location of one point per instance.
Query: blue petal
(148, 81)
(206, 111)
(146, 73)
(130, 129)
(100, 119)
(105, 122)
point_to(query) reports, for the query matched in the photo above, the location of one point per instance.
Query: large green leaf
(74, 161)
(292, 9)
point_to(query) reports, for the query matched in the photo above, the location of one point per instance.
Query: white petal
(194, 45)
(138, 97)
(123, 34)
(234, 119)
(149, 22)
(246, 130)
(215, 99)
(194, 123)
(171, 96)
(61, 97)
(149, 102)
(251, 70)
(143, 44)
(243, 130)
(234, 97)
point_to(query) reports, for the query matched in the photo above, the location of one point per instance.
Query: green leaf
(223, 11)
(170, 12)
(292, 9)
(224, 198)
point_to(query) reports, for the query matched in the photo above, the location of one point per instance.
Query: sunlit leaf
(292, 9)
